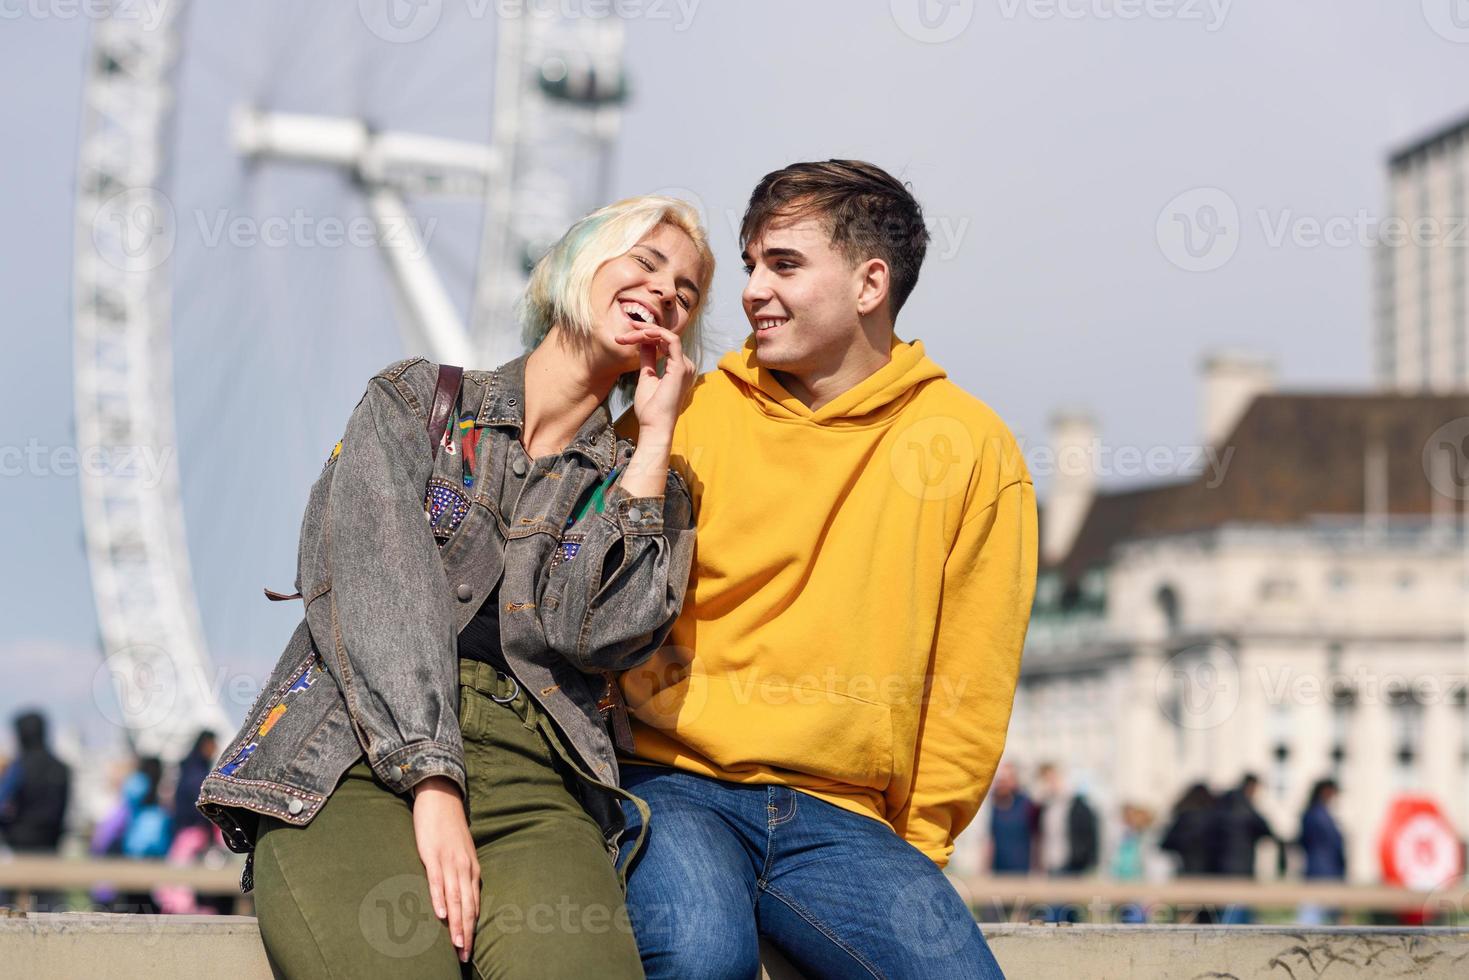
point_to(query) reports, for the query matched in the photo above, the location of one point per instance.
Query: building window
(1343, 703)
(1170, 607)
(1339, 580)
(1407, 736)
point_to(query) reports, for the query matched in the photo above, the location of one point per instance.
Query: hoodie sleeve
(989, 582)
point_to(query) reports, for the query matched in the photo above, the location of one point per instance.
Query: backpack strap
(446, 393)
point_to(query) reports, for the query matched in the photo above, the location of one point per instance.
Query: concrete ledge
(149, 947)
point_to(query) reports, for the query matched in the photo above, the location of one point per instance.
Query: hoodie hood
(870, 400)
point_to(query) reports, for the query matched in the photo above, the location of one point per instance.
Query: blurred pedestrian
(1190, 835)
(34, 793)
(192, 770)
(1012, 824)
(1128, 860)
(138, 827)
(1239, 828)
(1326, 858)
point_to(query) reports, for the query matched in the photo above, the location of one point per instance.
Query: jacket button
(518, 466)
(296, 807)
(634, 515)
(464, 592)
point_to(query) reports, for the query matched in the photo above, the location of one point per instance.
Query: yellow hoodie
(861, 589)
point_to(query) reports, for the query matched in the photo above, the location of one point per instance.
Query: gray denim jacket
(388, 582)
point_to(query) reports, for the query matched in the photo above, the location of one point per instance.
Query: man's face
(801, 297)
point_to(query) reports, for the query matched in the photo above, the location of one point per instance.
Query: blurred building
(1297, 610)
(1423, 266)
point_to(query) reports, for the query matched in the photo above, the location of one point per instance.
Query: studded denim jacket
(390, 574)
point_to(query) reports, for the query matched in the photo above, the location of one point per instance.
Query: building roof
(1443, 134)
(1291, 458)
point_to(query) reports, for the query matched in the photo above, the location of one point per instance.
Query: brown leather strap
(446, 393)
(275, 596)
(611, 704)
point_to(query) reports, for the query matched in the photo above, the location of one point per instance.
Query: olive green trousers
(346, 895)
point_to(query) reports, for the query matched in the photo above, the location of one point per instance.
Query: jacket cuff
(412, 764)
(634, 515)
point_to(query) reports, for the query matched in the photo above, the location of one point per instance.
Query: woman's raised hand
(658, 400)
(441, 831)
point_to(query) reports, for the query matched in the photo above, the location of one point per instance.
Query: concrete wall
(124, 947)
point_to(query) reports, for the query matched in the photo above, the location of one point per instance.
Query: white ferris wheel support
(147, 613)
(564, 119)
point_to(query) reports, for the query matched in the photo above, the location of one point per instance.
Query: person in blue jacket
(1321, 839)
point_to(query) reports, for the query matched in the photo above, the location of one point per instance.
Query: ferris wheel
(159, 242)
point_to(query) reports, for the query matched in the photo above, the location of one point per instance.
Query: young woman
(429, 773)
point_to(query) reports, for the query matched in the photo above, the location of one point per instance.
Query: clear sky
(1045, 138)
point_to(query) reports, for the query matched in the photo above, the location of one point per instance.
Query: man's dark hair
(869, 212)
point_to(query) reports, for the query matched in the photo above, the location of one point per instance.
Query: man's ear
(872, 288)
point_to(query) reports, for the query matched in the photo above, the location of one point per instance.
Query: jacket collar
(503, 405)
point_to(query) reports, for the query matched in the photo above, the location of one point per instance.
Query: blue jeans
(840, 894)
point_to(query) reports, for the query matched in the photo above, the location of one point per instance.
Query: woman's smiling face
(656, 281)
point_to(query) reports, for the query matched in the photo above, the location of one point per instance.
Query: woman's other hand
(446, 848)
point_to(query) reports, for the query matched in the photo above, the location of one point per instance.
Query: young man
(832, 703)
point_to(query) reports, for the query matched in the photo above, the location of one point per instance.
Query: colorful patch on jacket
(307, 678)
(270, 719)
(597, 502)
(228, 769)
(569, 549)
(469, 435)
(446, 507)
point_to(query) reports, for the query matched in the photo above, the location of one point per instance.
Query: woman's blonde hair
(560, 289)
